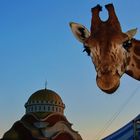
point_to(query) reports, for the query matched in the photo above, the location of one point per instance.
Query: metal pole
(134, 130)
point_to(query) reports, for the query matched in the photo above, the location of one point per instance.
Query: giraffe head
(105, 44)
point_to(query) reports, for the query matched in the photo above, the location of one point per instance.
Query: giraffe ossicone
(112, 51)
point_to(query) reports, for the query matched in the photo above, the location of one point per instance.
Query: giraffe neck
(133, 67)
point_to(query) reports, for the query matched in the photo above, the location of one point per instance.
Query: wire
(114, 117)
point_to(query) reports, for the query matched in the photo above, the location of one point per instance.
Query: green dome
(45, 95)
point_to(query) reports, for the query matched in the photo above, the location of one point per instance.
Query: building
(130, 131)
(44, 120)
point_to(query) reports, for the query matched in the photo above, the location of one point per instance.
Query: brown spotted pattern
(133, 66)
(105, 44)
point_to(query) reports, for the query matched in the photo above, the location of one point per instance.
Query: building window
(35, 108)
(44, 107)
(48, 108)
(39, 108)
(56, 109)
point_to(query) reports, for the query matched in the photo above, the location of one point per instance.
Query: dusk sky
(36, 44)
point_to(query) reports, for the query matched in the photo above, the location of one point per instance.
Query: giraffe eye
(127, 44)
(87, 50)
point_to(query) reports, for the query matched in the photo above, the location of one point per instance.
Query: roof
(28, 128)
(45, 95)
(51, 119)
(127, 132)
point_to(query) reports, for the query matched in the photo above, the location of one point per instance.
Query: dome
(45, 95)
(44, 101)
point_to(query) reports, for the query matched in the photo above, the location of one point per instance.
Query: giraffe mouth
(108, 83)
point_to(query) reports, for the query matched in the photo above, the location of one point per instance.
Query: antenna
(46, 84)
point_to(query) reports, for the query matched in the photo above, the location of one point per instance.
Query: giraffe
(112, 52)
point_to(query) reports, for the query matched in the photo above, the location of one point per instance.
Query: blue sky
(36, 44)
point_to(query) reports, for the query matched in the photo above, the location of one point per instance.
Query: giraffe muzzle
(108, 83)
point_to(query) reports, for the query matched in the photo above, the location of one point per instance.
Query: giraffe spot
(137, 61)
(114, 46)
(137, 50)
(132, 65)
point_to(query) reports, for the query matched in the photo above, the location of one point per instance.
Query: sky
(36, 44)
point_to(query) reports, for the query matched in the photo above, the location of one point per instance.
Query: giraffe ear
(131, 33)
(79, 31)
